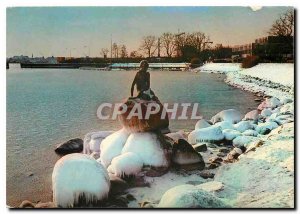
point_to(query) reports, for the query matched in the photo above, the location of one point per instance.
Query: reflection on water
(45, 107)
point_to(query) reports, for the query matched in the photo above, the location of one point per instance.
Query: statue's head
(144, 65)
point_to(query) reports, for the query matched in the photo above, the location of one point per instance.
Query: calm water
(49, 106)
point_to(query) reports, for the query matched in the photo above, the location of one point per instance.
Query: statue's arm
(132, 86)
(148, 80)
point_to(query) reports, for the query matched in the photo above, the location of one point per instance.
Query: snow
(77, 174)
(189, 196)
(112, 146)
(126, 164)
(229, 115)
(209, 134)
(224, 125)
(219, 67)
(148, 147)
(93, 140)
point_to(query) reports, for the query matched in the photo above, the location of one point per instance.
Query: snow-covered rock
(229, 115)
(250, 132)
(211, 186)
(189, 196)
(230, 134)
(265, 128)
(76, 175)
(243, 141)
(209, 134)
(243, 126)
(272, 103)
(202, 124)
(112, 146)
(224, 125)
(148, 147)
(266, 112)
(93, 140)
(126, 164)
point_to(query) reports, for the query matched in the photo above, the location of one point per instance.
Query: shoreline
(234, 83)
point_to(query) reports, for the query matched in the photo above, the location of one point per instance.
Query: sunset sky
(47, 31)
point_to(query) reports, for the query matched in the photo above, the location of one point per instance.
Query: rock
(30, 174)
(266, 112)
(78, 180)
(243, 126)
(221, 154)
(266, 128)
(230, 115)
(254, 145)
(224, 125)
(272, 103)
(224, 150)
(230, 134)
(92, 141)
(252, 115)
(212, 186)
(200, 147)
(26, 204)
(213, 165)
(127, 163)
(146, 204)
(215, 160)
(194, 182)
(130, 197)
(189, 196)
(250, 132)
(41, 205)
(135, 124)
(202, 124)
(157, 171)
(117, 185)
(233, 155)
(206, 174)
(211, 134)
(177, 135)
(71, 146)
(257, 99)
(185, 156)
(149, 147)
(243, 141)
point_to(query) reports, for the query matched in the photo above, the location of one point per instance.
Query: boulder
(252, 115)
(177, 135)
(189, 196)
(71, 146)
(272, 103)
(78, 180)
(230, 134)
(186, 157)
(212, 134)
(134, 123)
(117, 185)
(200, 147)
(266, 128)
(244, 125)
(229, 115)
(206, 174)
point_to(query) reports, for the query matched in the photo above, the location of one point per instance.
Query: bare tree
(284, 26)
(115, 50)
(149, 45)
(168, 43)
(123, 51)
(104, 52)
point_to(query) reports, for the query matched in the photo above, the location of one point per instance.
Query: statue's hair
(144, 61)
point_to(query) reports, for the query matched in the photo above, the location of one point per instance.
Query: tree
(284, 26)
(149, 45)
(104, 52)
(168, 43)
(123, 51)
(115, 50)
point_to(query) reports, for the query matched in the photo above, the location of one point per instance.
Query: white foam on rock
(76, 174)
(148, 147)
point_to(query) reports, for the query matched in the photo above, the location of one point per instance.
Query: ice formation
(76, 175)
(112, 146)
(209, 134)
(148, 147)
(230, 115)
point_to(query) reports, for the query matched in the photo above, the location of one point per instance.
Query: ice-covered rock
(93, 140)
(265, 128)
(209, 134)
(112, 146)
(185, 156)
(250, 132)
(126, 164)
(78, 179)
(266, 112)
(189, 196)
(202, 124)
(243, 126)
(282, 119)
(211, 186)
(252, 115)
(230, 115)
(148, 147)
(230, 134)
(224, 125)
(243, 141)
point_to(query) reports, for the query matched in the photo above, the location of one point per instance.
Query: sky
(81, 31)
